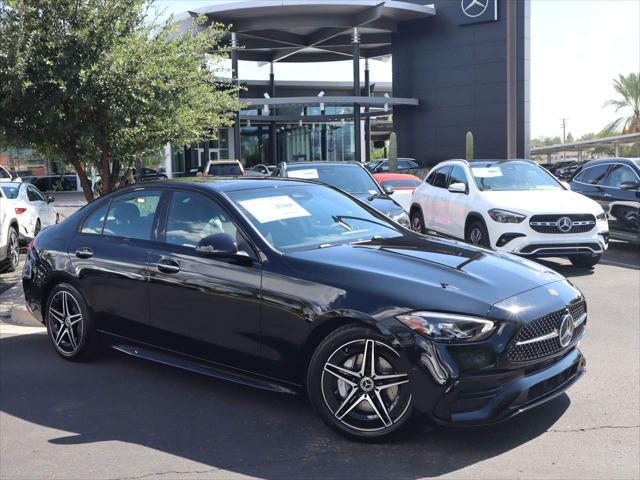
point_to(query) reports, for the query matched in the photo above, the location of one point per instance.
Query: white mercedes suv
(513, 206)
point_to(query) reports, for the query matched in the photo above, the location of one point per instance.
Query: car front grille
(539, 338)
(558, 224)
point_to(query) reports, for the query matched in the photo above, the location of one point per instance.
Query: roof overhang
(310, 30)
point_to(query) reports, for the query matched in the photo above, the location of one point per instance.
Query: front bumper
(477, 401)
(521, 239)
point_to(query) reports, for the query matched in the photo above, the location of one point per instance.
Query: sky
(577, 48)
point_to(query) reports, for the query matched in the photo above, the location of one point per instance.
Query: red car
(403, 185)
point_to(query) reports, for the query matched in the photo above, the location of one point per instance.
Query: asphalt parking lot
(119, 417)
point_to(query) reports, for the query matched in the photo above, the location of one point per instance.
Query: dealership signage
(477, 11)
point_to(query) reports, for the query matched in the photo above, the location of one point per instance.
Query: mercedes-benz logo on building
(474, 8)
(566, 330)
(564, 224)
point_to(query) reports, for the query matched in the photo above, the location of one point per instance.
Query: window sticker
(486, 172)
(271, 209)
(307, 173)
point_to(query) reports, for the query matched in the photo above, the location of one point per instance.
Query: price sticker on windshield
(486, 172)
(271, 209)
(307, 174)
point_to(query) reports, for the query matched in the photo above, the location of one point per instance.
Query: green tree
(628, 89)
(94, 83)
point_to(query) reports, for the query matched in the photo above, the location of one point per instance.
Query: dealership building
(458, 66)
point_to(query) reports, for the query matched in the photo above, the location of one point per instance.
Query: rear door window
(593, 175)
(132, 215)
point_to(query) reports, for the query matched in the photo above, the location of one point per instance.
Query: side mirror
(50, 198)
(630, 185)
(388, 189)
(219, 244)
(458, 188)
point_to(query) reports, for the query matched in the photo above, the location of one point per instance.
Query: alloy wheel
(362, 386)
(65, 322)
(416, 224)
(476, 237)
(14, 250)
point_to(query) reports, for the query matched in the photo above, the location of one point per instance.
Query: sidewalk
(15, 319)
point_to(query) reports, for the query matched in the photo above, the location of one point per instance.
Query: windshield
(513, 176)
(225, 170)
(10, 191)
(350, 178)
(304, 217)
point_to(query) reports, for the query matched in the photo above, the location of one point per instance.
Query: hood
(421, 272)
(383, 204)
(543, 202)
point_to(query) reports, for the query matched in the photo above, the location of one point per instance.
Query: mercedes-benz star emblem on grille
(566, 330)
(564, 224)
(474, 8)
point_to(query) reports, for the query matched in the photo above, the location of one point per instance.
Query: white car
(513, 206)
(9, 254)
(33, 210)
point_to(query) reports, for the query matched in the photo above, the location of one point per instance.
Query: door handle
(607, 195)
(168, 266)
(84, 252)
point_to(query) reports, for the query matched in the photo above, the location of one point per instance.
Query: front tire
(358, 385)
(69, 323)
(417, 221)
(477, 234)
(585, 261)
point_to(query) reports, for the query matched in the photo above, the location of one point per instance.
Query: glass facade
(185, 161)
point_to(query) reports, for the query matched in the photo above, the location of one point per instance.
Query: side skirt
(197, 367)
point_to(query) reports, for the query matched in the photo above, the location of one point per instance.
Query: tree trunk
(84, 180)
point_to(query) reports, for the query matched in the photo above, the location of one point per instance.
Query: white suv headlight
(505, 216)
(601, 217)
(448, 327)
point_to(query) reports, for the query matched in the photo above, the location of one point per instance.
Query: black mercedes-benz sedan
(294, 286)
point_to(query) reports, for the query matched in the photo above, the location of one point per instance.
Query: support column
(512, 65)
(234, 78)
(168, 164)
(367, 120)
(272, 126)
(357, 130)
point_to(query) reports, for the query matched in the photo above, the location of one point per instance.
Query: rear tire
(69, 323)
(585, 261)
(477, 234)
(13, 251)
(357, 383)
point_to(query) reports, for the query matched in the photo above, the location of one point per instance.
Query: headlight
(601, 217)
(448, 327)
(402, 218)
(505, 216)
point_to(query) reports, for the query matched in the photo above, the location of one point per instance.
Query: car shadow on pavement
(228, 426)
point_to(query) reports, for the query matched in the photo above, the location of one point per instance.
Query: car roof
(227, 184)
(395, 176)
(627, 161)
(220, 162)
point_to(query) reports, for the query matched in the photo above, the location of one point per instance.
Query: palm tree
(629, 90)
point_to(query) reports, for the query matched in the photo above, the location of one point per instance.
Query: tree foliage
(95, 83)
(628, 90)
